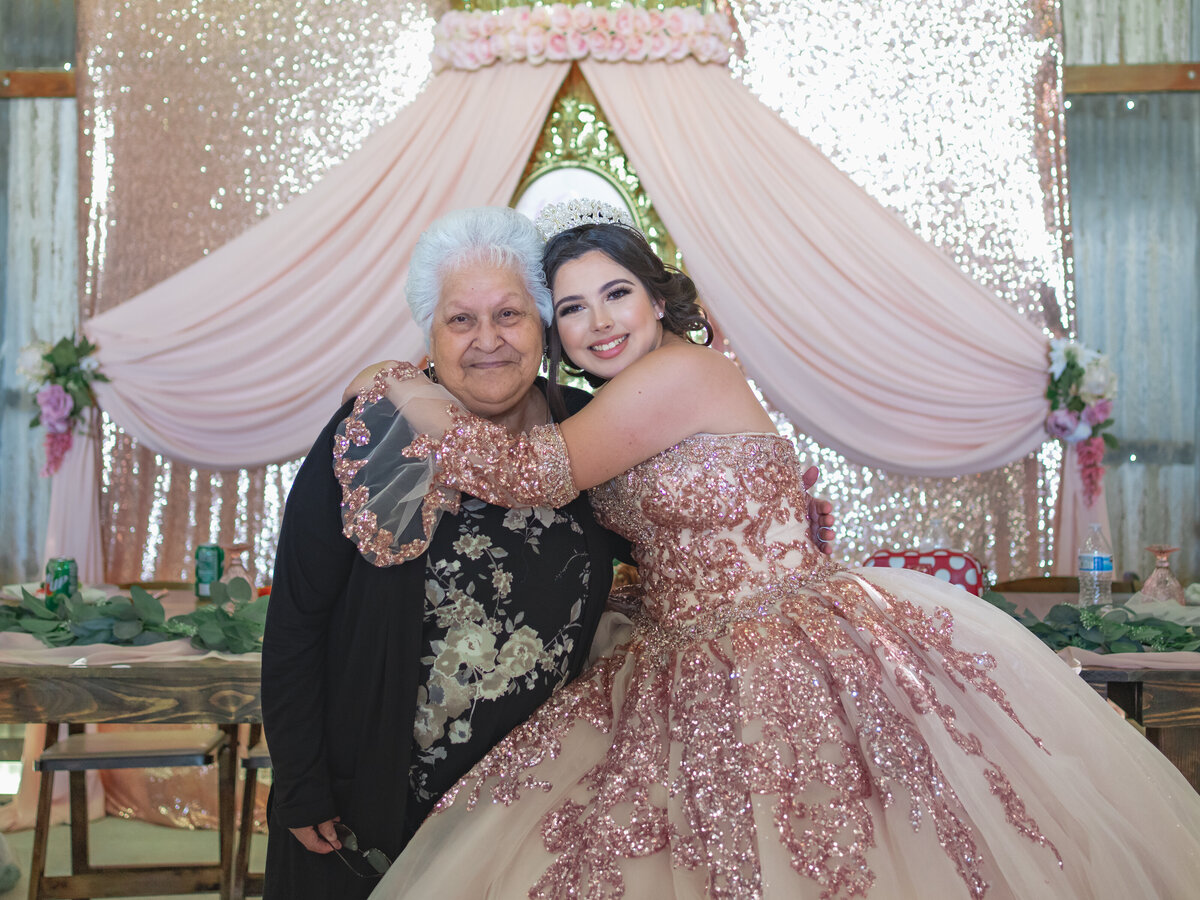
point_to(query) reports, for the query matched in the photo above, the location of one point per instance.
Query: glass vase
(1162, 585)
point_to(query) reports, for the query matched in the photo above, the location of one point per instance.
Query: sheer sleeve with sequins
(391, 503)
(409, 448)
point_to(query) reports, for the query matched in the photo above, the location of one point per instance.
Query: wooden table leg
(1181, 745)
(41, 831)
(227, 773)
(245, 829)
(80, 849)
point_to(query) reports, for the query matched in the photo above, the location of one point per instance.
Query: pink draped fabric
(74, 518)
(237, 359)
(1073, 516)
(872, 341)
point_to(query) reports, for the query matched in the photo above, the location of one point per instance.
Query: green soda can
(62, 577)
(210, 564)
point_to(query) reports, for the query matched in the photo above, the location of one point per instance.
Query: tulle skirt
(877, 733)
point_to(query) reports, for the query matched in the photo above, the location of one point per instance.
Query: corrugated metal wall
(1135, 207)
(1108, 32)
(1135, 203)
(38, 294)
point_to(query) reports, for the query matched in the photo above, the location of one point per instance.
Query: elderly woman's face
(486, 338)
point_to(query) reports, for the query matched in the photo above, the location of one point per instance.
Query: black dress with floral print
(503, 618)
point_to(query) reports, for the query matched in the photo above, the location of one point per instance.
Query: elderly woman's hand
(363, 379)
(820, 515)
(321, 838)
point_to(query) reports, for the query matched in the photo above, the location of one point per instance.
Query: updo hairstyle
(625, 246)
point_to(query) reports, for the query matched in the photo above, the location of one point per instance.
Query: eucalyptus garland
(1103, 629)
(231, 623)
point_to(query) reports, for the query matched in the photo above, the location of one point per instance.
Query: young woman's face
(606, 319)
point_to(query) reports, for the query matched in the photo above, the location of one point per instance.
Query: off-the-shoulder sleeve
(391, 504)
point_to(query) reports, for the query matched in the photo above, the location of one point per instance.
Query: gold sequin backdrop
(200, 118)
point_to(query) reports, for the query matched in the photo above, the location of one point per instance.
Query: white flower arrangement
(1081, 392)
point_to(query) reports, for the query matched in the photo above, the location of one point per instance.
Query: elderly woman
(381, 686)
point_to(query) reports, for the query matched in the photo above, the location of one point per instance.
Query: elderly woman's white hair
(491, 234)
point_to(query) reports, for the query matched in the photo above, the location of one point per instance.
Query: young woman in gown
(771, 724)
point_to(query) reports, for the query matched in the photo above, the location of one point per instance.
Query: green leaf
(147, 606)
(218, 593)
(79, 395)
(1063, 614)
(36, 606)
(63, 356)
(41, 626)
(254, 612)
(122, 609)
(1000, 602)
(239, 589)
(1125, 645)
(211, 636)
(127, 630)
(151, 637)
(1109, 441)
(78, 611)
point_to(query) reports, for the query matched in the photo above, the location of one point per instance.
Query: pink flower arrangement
(1081, 390)
(61, 375)
(559, 33)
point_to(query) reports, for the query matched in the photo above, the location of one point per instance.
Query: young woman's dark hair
(625, 246)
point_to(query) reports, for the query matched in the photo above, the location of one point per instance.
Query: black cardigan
(340, 666)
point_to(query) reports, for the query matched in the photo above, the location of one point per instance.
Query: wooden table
(202, 691)
(1166, 702)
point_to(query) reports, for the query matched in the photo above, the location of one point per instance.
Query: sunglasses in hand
(363, 863)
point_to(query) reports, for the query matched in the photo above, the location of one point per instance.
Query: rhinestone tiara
(556, 217)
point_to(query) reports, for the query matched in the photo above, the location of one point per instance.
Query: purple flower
(56, 405)
(1098, 412)
(1061, 423)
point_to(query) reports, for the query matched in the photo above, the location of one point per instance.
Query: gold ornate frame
(577, 135)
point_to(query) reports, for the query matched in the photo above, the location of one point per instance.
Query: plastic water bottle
(1095, 569)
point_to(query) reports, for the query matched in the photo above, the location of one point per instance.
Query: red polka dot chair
(955, 566)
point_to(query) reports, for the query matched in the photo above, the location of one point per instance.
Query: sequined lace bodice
(714, 519)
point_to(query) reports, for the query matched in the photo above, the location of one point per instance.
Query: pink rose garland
(560, 33)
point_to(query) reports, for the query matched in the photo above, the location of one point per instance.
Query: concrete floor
(114, 840)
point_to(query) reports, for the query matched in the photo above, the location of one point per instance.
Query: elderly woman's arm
(434, 442)
(312, 567)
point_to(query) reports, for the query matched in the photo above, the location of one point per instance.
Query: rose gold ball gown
(773, 724)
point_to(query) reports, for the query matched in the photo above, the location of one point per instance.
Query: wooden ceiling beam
(37, 83)
(1131, 79)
